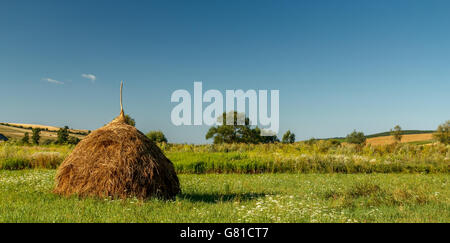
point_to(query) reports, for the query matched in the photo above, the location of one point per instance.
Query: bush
(157, 136)
(443, 133)
(36, 135)
(130, 121)
(288, 137)
(73, 140)
(63, 135)
(26, 139)
(397, 133)
(356, 138)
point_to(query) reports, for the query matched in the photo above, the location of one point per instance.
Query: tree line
(63, 137)
(237, 129)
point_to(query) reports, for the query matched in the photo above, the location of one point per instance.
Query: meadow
(320, 157)
(301, 182)
(25, 196)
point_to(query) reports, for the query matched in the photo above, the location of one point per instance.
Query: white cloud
(91, 77)
(52, 81)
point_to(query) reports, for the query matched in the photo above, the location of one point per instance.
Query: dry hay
(117, 161)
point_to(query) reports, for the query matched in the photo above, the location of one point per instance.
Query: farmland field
(25, 196)
(17, 131)
(409, 138)
(321, 182)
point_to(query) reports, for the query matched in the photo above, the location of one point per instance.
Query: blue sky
(339, 65)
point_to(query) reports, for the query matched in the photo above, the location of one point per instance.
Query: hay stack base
(117, 161)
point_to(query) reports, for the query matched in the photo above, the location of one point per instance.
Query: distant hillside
(420, 138)
(18, 131)
(382, 134)
(44, 127)
(409, 136)
(405, 132)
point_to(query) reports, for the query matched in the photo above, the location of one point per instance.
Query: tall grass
(14, 157)
(320, 157)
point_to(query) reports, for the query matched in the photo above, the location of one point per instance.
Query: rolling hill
(408, 136)
(17, 131)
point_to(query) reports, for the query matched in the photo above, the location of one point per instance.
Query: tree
(26, 138)
(130, 121)
(397, 133)
(47, 142)
(63, 135)
(157, 136)
(236, 128)
(356, 138)
(36, 135)
(288, 137)
(443, 133)
(73, 140)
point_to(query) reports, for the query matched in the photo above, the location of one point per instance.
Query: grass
(13, 157)
(25, 196)
(322, 157)
(321, 182)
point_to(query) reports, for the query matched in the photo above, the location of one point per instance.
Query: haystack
(117, 161)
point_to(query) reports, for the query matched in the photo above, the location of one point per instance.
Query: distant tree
(397, 133)
(73, 140)
(236, 128)
(157, 136)
(26, 138)
(356, 138)
(63, 135)
(130, 121)
(288, 137)
(269, 139)
(443, 133)
(36, 135)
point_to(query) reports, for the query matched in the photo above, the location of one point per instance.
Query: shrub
(36, 135)
(26, 139)
(356, 138)
(288, 137)
(73, 140)
(157, 136)
(443, 133)
(130, 121)
(63, 135)
(397, 133)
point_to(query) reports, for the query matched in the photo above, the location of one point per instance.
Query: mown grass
(321, 157)
(25, 196)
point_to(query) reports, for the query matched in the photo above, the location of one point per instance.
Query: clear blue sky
(339, 65)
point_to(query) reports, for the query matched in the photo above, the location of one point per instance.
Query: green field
(321, 157)
(320, 182)
(25, 196)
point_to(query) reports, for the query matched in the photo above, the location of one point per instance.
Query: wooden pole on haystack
(121, 105)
